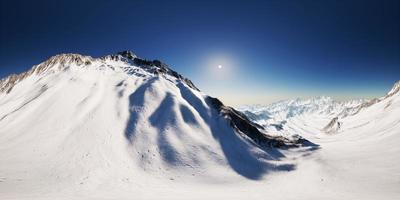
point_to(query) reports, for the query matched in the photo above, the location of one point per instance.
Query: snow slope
(121, 127)
(124, 127)
(359, 160)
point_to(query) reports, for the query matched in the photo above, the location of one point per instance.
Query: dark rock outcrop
(156, 67)
(252, 130)
(62, 61)
(333, 126)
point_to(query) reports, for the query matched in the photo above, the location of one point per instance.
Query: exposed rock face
(7, 84)
(257, 116)
(333, 126)
(128, 54)
(395, 89)
(244, 126)
(155, 66)
(64, 61)
(61, 62)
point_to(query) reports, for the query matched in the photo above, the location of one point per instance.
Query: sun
(219, 66)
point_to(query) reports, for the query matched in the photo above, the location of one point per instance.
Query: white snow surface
(361, 160)
(112, 130)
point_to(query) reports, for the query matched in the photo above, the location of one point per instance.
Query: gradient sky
(269, 50)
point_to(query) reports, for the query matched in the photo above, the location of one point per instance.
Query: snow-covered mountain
(122, 127)
(76, 122)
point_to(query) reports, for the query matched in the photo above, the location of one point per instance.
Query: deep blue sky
(269, 50)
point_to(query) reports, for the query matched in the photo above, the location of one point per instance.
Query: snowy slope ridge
(285, 117)
(59, 61)
(395, 89)
(334, 125)
(358, 156)
(373, 108)
(63, 62)
(119, 122)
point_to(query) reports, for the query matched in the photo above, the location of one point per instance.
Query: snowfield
(359, 160)
(77, 127)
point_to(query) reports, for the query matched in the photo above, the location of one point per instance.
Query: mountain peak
(66, 61)
(154, 117)
(127, 54)
(395, 89)
(61, 61)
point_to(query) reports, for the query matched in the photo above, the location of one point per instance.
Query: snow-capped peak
(65, 59)
(129, 62)
(56, 63)
(131, 67)
(129, 116)
(123, 123)
(395, 89)
(128, 54)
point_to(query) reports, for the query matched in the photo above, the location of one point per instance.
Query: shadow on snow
(237, 151)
